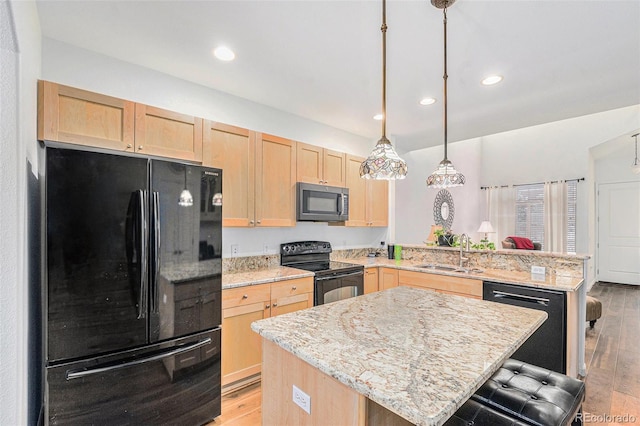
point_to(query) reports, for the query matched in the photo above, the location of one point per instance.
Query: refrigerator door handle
(156, 251)
(158, 356)
(144, 255)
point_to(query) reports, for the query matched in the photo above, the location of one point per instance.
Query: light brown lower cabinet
(441, 283)
(370, 280)
(241, 347)
(388, 278)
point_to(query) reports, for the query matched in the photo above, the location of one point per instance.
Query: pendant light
(445, 176)
(635, 168)
(384, 162)
(186, 199)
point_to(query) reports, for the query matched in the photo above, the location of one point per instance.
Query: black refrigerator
(131, 289)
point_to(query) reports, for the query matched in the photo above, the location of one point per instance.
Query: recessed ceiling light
(427, 101)
(224, 53)
(492, 79)
(378, 117)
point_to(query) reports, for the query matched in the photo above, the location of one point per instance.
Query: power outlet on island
(301, 399)
(537, 270)
(234, 250)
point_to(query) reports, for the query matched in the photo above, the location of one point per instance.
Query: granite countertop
(547, 281)
(417, 353)
(176, 273)
(262, 276)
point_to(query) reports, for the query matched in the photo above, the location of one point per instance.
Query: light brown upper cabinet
(233, 149)
(259, 175)
(320, 165)
(275, 181)
(368, 198)
(168, 134)
(67, 114)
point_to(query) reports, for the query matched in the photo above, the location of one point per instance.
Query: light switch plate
(301, 399)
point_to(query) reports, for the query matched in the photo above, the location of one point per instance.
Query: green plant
(483, 245)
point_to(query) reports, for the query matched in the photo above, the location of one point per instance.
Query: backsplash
(508, 260)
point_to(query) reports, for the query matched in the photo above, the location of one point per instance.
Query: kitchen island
(400, 356)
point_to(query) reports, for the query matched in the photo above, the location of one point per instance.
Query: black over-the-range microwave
(321, 203)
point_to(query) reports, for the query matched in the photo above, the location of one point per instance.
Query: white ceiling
(322, 59)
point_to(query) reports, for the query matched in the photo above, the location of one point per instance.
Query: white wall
(19, 70)
(66, 64)
(414, 201)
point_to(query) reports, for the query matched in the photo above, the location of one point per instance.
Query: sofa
(520, 243)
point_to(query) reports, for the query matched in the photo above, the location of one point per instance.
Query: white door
(619, 233)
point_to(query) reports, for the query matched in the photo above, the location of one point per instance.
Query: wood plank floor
(612, 356)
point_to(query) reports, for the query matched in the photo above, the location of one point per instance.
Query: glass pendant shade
(383, 163)
(186, 199)
(445, 176)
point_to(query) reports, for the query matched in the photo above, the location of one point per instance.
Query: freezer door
(96, 279)
(186, 245)
(175, 382)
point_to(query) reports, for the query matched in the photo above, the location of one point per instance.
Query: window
(530, 213)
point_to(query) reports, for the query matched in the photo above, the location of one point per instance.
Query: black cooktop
(314, 256)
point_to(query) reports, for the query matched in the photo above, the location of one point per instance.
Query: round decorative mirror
(443, 209)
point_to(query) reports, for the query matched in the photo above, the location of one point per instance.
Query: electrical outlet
(234, 250)
(266, 249)
(301, 399)
(538, 270)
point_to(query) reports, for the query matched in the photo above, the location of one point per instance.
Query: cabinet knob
(244, 296)
(128, 145)
(274, 305)
(259, 221)
(294, 288)
(140, 148)
(251, 222)
(267, 307)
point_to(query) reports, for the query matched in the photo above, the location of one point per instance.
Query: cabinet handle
(294, 288)
(251, 222)
(244, 296)
(259, 221)
(274, 305)
(267, 307)
(140, 148)
(128, 145)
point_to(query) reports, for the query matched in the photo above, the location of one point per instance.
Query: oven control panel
(305, 247)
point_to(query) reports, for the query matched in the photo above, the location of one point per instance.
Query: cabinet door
(284, 305)
(357, 192)
(377, 202)
(71, 115)
(309, 163)
(334, 168)
(232, 149)
(275, 181)
(388, 278)
(168, 134)
(370, 280)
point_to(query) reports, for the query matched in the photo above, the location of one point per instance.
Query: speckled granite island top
(417, 353)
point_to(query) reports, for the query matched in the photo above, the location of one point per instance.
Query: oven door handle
(333, 277)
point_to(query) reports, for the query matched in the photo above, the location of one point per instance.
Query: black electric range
(333, 280)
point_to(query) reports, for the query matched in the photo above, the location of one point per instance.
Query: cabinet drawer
(245, 295)
(443, 283)
(291, 287)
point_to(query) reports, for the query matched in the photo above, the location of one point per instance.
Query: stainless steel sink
(438, 267)
(449, 268)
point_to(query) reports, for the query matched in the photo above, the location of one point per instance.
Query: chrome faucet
(464, 239)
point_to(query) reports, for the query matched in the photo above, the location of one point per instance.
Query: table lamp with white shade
(486, 228)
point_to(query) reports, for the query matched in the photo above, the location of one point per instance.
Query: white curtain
(555, 216)
(502, 212)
